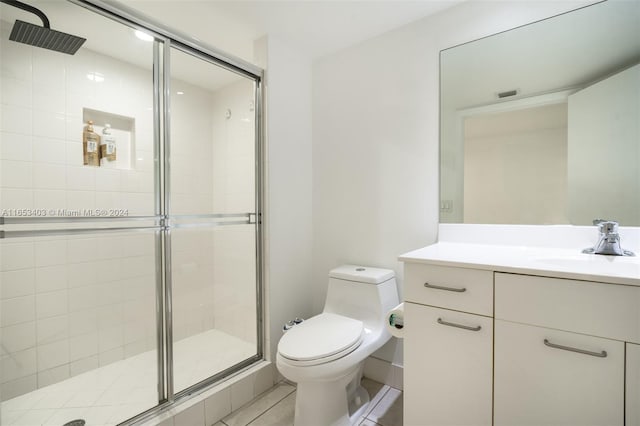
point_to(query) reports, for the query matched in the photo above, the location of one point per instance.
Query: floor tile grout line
(265, 411)
(262, 395)
(371, 408)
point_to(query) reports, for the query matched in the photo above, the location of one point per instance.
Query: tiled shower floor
(113, 393)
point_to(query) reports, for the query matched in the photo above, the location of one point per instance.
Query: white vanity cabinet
(513, 346)
(450, 353)
(632, 381)
(560, 344)
(540, 379)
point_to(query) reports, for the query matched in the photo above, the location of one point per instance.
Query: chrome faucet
(609, 240)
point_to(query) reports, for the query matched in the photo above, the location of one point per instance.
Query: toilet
(325, 354)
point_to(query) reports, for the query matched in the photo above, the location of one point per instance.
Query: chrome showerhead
(42, 36)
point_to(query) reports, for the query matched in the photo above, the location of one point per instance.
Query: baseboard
(385, 372)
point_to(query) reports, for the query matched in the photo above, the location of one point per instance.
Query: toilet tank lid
(363, 274)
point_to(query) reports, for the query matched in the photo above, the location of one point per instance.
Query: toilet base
(331, 403)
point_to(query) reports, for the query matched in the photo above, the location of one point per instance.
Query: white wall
(288, 216)
(375, 137)
(604, 150)
(515, 166)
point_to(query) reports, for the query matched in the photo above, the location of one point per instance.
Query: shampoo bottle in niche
(90, 145)
(108, 145)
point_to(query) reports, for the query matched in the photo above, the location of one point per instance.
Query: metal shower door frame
(165, 39)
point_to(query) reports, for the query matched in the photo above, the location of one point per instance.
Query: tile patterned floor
(276, 407)
(113, 393)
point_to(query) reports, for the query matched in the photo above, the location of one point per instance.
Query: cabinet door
(448, 369)
(633, 385)
(539, 381)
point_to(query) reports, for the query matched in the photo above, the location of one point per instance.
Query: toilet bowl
(325, 354)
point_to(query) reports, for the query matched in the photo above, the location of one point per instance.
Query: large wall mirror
(541, 124)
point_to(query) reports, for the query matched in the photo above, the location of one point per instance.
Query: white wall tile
(80, 274)
(15, 146)
(18, 365)
(16, 174)
(109, 248)
(83, 322)
(53, 355)
(47, 150)
(17, 310)
(83, 249)
(49, 176)
(18, 337)
(217, 406)
(52, 329)
(110, 356)
(49, 124)
(81, 298)
(83, 346)
(51, 304)
(15, 60)
(192, 416)
(83, 365)
(16, 255)
(52, 252)
(81, 200)
(49, 199)
(51, 278)
(108, 200)
(16, 199)
(17, 283)
(241, 392)
(74, 155)
(53, 375)
(110, 338)
(107, 180)
(74, 134)
(48, 69)
(81, 178)
(15, 119)
(18, 387)
(49, 100)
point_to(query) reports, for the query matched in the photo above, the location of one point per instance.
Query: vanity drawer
(598, 309)
(466, 290)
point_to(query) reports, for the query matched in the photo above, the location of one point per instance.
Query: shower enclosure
(127, 285)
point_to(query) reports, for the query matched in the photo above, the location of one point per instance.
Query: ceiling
(314, 27)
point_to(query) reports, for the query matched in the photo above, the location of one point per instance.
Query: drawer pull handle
(451, 324)
(602, 354)
(437, 287)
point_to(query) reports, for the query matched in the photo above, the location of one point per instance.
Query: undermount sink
(595, 263)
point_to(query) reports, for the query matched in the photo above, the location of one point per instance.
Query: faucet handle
(599, 221)
(608, 227)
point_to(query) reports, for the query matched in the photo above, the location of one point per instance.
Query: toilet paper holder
(396, 321)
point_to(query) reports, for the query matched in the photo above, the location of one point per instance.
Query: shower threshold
(111, 394)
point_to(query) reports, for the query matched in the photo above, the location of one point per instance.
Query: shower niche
(122, 129)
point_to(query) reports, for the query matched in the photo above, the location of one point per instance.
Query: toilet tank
(361, 292)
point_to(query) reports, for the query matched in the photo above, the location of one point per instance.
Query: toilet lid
(323, 336)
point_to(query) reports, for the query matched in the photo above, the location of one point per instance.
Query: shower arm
(31, 9)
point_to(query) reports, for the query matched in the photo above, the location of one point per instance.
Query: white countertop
(542, 261)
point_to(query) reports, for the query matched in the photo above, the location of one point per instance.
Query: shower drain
(77, 422)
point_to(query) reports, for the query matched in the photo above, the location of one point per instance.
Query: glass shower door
(211, 206)
(79, 247)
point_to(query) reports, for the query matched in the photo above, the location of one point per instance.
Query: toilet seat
(321, 339)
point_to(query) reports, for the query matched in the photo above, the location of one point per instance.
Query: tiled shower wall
(70, 304)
